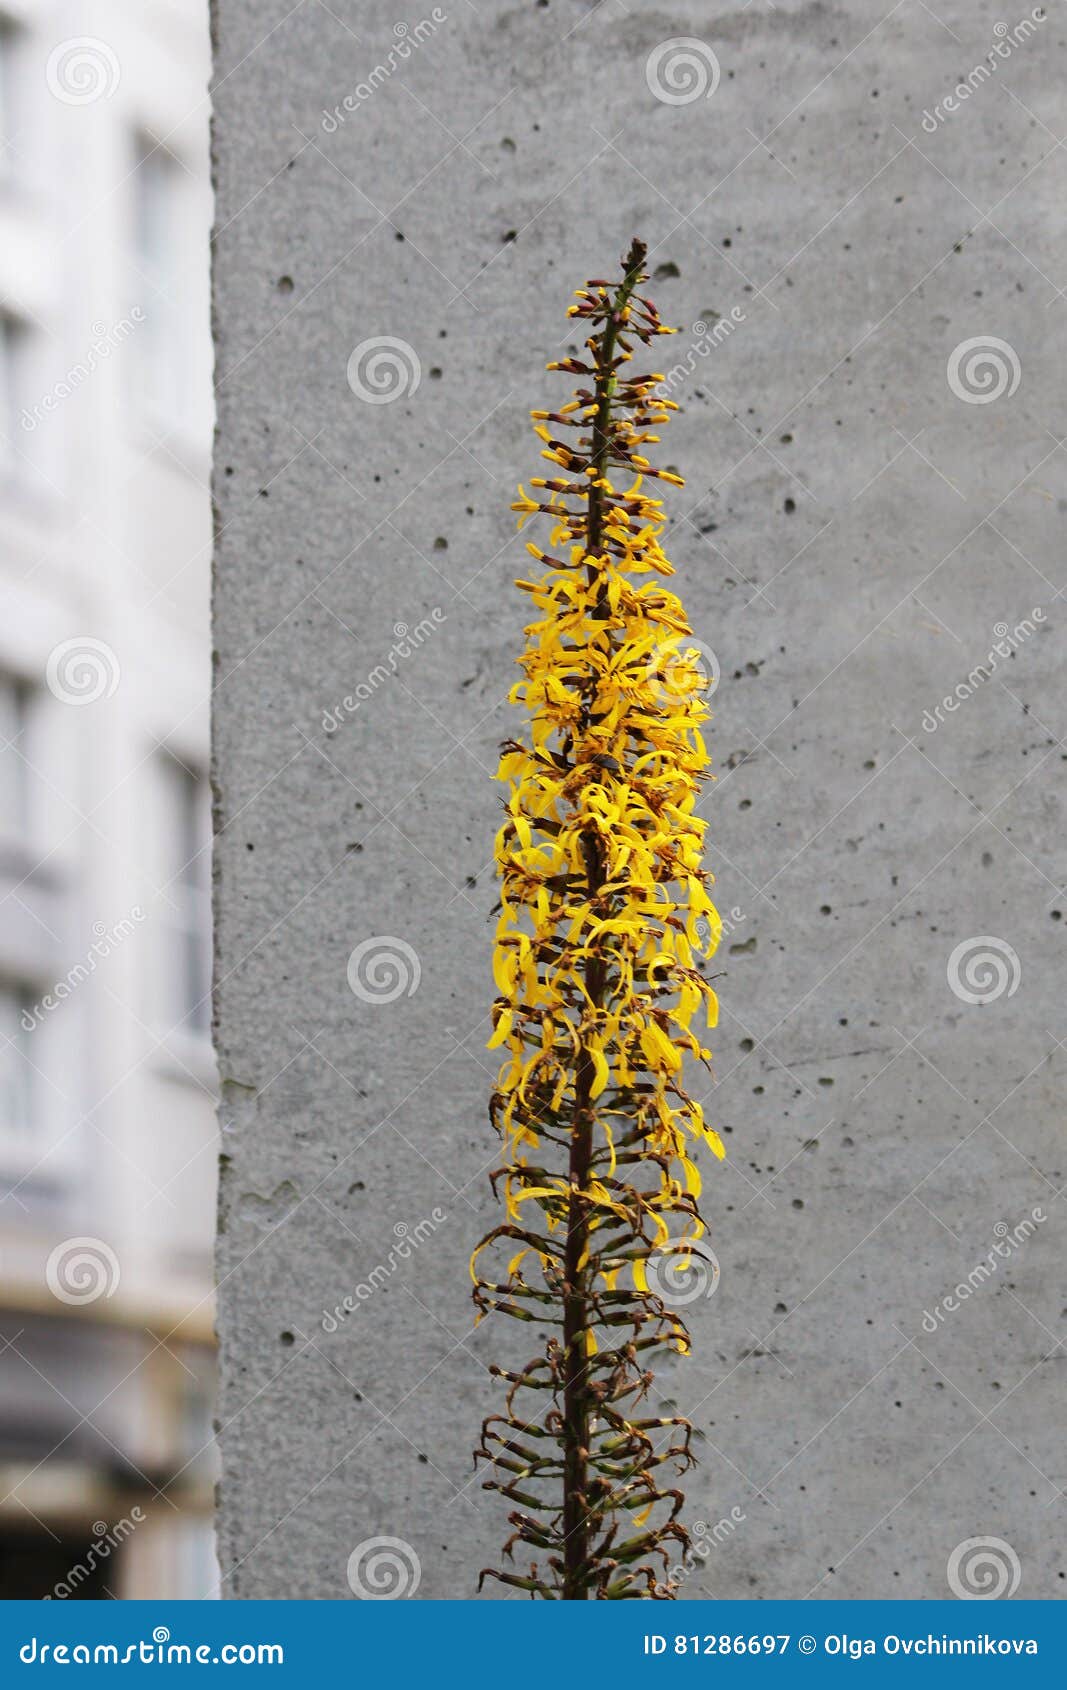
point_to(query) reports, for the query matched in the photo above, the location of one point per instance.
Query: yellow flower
(604, 908)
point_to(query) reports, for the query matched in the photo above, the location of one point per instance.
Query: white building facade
(107, 1086)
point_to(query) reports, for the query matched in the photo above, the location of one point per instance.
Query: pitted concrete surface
(865, 262)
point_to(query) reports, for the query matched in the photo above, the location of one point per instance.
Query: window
(15, 696)
(12, 364)
(197, 1447)
(165, 363)
(26, 444)
(197, 1569)
(36, 1054)
(18, 1093)
(8, 44)
(185, 897)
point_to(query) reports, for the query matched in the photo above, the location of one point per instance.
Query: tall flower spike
(603, 913)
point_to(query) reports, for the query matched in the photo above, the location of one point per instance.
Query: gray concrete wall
(862, 519)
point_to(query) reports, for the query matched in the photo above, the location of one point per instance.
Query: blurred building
(107, 1134)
